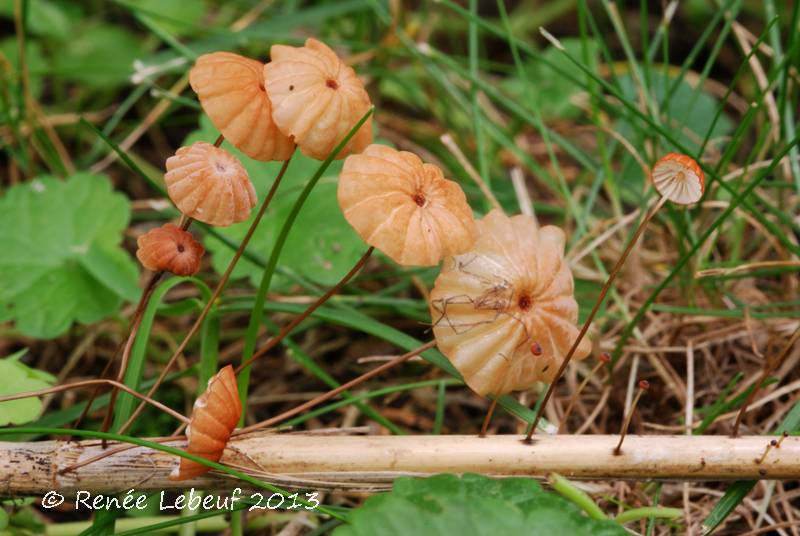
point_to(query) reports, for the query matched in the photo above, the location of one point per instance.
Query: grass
(629, 86)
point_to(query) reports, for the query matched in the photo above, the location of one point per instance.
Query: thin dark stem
(88, 383)
(611, 277)
(769, 368)
(219, 140)
(305, 314)
(212, 300)
(487, 419)
(626, 424)
(333, 392)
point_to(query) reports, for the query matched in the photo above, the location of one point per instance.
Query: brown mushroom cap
(403, 207)
(215, 415)
(316, 99)
(678, 177)
(209, 184)
(231, 90)
(171, 249)
(512, 290)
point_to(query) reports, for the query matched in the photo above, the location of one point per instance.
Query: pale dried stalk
(359, 462)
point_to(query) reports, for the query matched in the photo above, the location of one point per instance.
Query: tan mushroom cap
(403, 207)
(316, 99)
(512, 292)
(678, 177)
(209, 184)
(231, 90)
(171, 249)
(215, 415)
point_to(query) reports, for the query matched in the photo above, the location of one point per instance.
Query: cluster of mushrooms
(503, 307)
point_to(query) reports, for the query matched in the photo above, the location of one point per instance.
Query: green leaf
(100, 57)
(323, 245)
(60, 240)
(19, 378)
(472, 505)
(35, 60)
(44, 18)
(554, 95)
(179, 17)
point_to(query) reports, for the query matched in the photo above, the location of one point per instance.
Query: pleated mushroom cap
(678, 177)
(403, 207)
(209, 184)
(171, 249)
(231, 90)
(316, 99)
(504, 313)
(215, 415)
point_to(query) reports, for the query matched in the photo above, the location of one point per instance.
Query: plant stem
(274, 341)
(611, 277)
(488, 418)
(333, 392)
(567, 489)
(100, 381)
(643, 385)
(659, 512)
(217, 291)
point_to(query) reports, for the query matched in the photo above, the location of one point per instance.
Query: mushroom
(316, 99)
(215, 415)
(404, 207)
(678, 177)
(231, 90)
(171, 249)
(504, 313)
(209, 184)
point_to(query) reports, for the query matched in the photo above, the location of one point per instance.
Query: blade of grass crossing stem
(441, 400)
(739, 490)
(477, 114)
(784, 104)
(304, 360)
(366, 396)
(539, 123)
(133, 375)
(168, 450)
(257, 313)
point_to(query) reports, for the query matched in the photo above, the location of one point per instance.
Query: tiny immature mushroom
(316, 99)
(231, 90)
(215, 415)
(171, 249)
(209, 184)
(679, 178)
(504, 313)
(405, 208)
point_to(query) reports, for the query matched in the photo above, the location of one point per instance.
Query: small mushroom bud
(316, 99)
(170, 249)
(209, 184)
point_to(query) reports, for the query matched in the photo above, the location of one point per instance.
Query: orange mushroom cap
(215, 415)
(231, 90)
(512, 290)
(316, 99)
(171, 249)
(678, 177)
(209, 184)
(403, 207)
